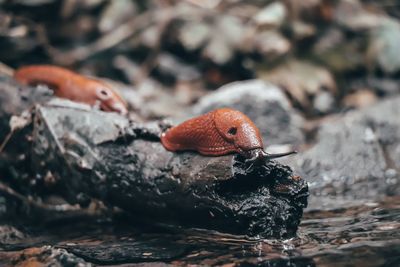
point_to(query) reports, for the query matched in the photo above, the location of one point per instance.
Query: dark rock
(88, 153)
(262, 102)
(93, 154)
(14, 99)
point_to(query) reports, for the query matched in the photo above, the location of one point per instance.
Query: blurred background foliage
(327, 55)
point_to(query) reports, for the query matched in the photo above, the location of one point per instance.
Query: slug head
(109, 99)
(237, 129)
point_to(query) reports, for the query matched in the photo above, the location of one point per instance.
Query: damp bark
(88, 154)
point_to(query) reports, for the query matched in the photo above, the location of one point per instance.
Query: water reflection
(361, 235)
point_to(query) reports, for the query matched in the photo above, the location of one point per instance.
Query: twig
(16, 123)
(5, 141)
(7, 70)
(96, 207)
(9, 191)
(151, 61)
(123, 32)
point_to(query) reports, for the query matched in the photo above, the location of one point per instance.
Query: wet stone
(353, 155)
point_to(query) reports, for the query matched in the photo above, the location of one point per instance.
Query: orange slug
(73, 86)
(219, 132)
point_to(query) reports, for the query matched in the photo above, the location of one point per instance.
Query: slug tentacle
(279, 155)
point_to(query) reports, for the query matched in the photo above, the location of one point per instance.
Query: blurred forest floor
(327, 55)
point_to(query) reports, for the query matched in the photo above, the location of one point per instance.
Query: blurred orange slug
(73, 86)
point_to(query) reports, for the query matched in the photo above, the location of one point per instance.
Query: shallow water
(362, 235)
(366, 234)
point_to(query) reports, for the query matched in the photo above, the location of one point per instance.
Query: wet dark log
(91, 154)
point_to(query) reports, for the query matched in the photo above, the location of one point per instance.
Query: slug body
(219, 132)
(73, 86)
